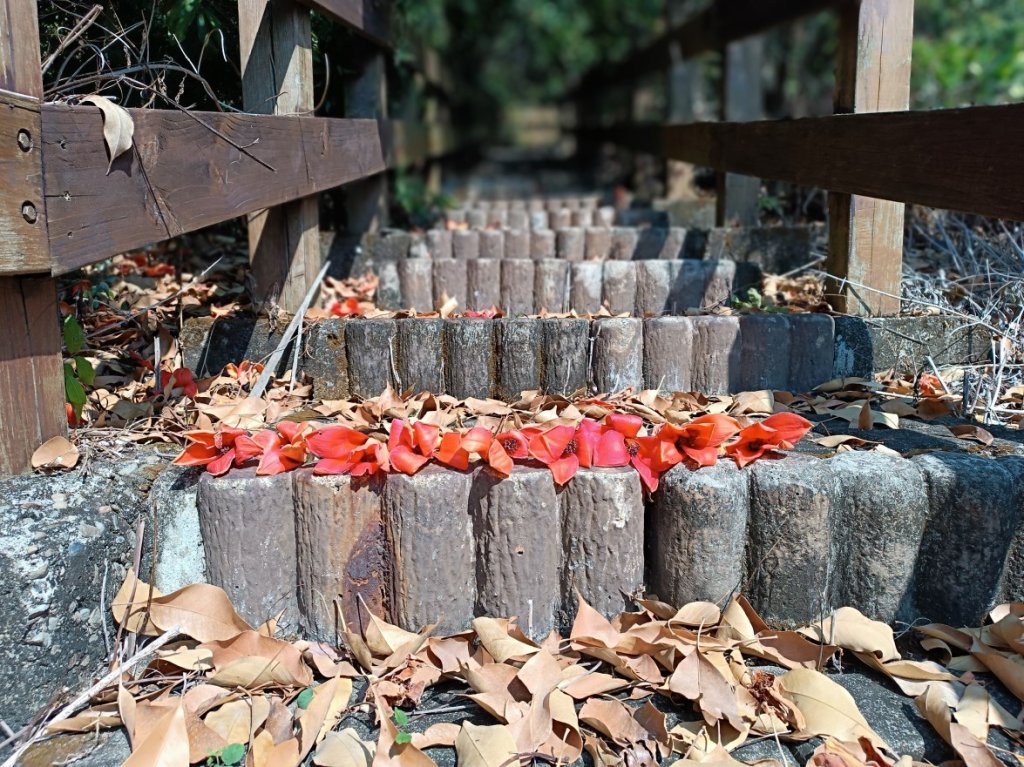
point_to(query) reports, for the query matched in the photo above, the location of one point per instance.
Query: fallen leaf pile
(651, 686)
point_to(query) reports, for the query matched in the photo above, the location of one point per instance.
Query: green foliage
(228, 756)
(415, 206)
(401, 722)
(305, 698)
(74, 336)
(755, 302)
(78, 372)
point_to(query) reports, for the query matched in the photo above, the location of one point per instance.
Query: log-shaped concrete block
(650, 243)
(618, 354)
(618, 290)
(539, 220)
(430, 535)
(341, 551)
(450, 281)
(518, 218)
(811, 350)
(668, 353)
(689, 284)
(880, 524)
(582, 218)
(721, 280)
(416, 277)
(517, 286)
(1013, 574)
(519, 357)
(439, 243)
(518, 548)
(605, 216)
(765, 340)
(586, 286)
(597, 243)
(497, 217)
(570, 244)
(603, 540)
(492, 243)
(561, 218)
(551, 285)
(389, 285)
(517, 243)
(542, 243)
(370, 348)
(566, 353)
(792, 539)
(420, 355)
(327, 361)
(974, 515)
(672, 246)
(248, 528)
(476, 218)
(624, 243)
(716, 355)
(698, 533)
(470, 366)
(483, 280)
(466, 243)
(655, 281)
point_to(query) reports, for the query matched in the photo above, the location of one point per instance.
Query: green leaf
(74, 336)
(73, 390)
(86, 372)
(401, 718)
(402, 738)
(305, 697)
(233, 754)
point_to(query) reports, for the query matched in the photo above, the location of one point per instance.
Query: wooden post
(742, 100)
(277, 78)
(31, 368)
(683, 83)
(366, 201)
(873, 75)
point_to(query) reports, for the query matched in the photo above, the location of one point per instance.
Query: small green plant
(416, 206)
(401, 722)
(753, 301)
(78, 371)
(770, 204)
(228, 756)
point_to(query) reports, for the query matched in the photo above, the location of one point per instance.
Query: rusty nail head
(28, 212)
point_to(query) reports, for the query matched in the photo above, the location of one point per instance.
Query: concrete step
(502, 358)
(939, 536)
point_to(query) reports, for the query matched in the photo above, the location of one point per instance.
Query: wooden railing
(62, 208)
(871, 164)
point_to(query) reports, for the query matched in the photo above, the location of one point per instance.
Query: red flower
(507, 446)
(451, 451)
(276, 455)
(701, 438)
(482, 314)
(781, 430)
(347, 308)
(409, 449)
(337, 448)
(597, 445)
(649, 456)
(556, 448)
(178, 383)
(213, 449)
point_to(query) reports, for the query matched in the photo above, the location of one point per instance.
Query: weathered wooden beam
(370, 18)
(277, 78)
(31, 367)
(187, 171)
(873, 75)
(738, 197)
(964, 159)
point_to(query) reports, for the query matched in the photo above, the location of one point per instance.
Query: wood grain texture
(873, 75)
(188, 171)
(957, 159)
(31, 368)
(366, 202)
(23, 246)
(370, 18)
(277, 78)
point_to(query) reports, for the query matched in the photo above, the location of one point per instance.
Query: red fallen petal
(222, 464)
(273, 462)
(588, 438)
(451, 453)
(203, 437)
(406, 461)
(332, 466)
(425, 436)
(247, 448)
(648, 476)
(477, 440)
(744, 454)
(335, 441)
(400, 435)
(711, 430)
(660, 454)
(196, 455)
(226, 436)
(611, 450)
(290, 430)
(547, 447)
(498, 459)
(626, 424)
(564, 469)
(702, 456)
(267, 439)
(789, 427)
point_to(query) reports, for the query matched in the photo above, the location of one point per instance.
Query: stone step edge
(892, 537)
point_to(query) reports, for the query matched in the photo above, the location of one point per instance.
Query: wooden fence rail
(62, 208)
(871, 166)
